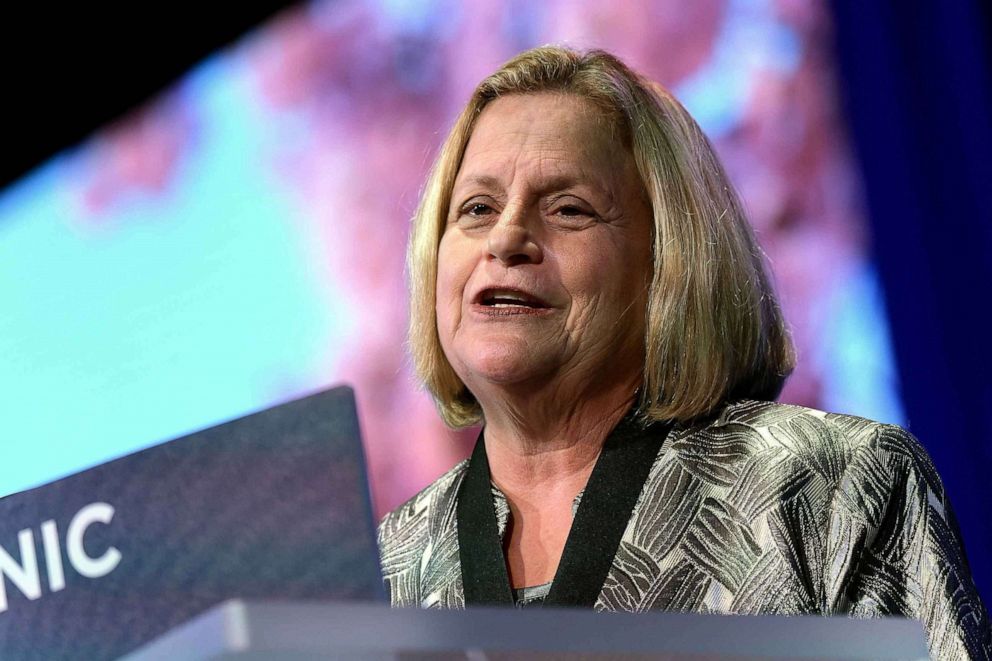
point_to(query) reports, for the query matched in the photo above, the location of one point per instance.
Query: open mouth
(507, 298)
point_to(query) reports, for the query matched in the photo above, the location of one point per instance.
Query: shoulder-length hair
(714, 329)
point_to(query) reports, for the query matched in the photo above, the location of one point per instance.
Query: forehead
(546, 134)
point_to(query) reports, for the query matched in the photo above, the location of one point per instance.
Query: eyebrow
(556, 182)
(484, 180)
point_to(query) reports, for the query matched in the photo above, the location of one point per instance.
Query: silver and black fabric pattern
(768, 508)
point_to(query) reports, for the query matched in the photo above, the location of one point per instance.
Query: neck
(551, 442)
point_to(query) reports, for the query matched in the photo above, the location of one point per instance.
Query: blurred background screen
(237, 239)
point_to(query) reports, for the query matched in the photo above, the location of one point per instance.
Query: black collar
(604, 511)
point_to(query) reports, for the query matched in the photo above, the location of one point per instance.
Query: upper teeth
(505, 295)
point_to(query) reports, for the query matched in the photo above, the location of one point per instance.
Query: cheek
(597, 269)
(606, 284)
(452, 276)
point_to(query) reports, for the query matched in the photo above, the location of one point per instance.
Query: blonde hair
(714, 330)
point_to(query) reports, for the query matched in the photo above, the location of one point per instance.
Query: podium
(297, 631)
(273, 505)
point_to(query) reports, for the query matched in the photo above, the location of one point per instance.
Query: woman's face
(545, 260)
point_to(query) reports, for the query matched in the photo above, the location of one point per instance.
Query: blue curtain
(916, 77)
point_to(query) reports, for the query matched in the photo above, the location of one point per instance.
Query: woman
(586, 283)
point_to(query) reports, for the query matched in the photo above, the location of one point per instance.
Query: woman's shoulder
(759, 413)
(840, 440)
(792, 423)
(428, 510)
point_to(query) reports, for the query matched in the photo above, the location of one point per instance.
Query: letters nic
(25, 574)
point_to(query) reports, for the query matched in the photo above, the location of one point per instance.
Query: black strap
(480, 549)
(603, 514)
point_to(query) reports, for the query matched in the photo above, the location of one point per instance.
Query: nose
(512, 240)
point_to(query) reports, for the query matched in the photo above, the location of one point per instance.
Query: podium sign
(273, 505)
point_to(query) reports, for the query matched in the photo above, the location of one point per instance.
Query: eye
(475, 213)
(478, 209)
(571, 215)
(571, 211)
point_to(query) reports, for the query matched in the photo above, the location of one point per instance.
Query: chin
(502, 363)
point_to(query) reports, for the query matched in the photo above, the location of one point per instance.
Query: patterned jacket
(769, 508)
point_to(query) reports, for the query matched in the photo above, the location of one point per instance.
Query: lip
(530, 304)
